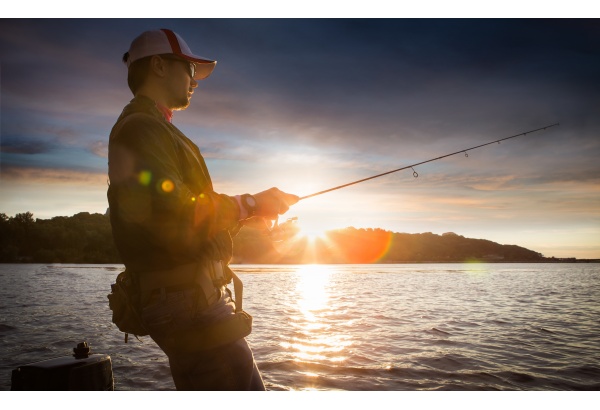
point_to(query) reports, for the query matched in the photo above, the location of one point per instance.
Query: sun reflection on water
(316, 338)
(312, 289)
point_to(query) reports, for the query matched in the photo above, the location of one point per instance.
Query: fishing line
(425, 162)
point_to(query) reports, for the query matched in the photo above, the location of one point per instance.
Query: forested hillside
(82, 238)
(87, 238)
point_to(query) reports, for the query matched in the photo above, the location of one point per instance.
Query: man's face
(180, 84)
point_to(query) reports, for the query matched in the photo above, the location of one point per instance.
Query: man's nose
(193, 83)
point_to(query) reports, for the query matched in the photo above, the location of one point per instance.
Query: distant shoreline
(374, 263)
(87, 238)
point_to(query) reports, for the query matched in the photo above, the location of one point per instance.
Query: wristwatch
(249, 203)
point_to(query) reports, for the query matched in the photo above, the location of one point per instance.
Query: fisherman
(172, 230)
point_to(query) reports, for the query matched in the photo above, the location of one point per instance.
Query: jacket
(163, 209)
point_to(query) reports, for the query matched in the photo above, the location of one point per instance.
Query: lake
(342, 327)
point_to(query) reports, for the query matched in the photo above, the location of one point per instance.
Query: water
(343, 327)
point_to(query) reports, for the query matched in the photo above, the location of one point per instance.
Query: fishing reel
(285, 231)
(275, 231)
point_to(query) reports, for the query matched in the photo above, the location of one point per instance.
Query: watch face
(251, 201)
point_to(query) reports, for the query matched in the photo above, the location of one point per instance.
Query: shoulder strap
(238, 289)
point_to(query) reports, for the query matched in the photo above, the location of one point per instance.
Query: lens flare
(167, 186)
(361, 245)
(144, 177)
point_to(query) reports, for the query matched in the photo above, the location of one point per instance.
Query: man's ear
(158, 66)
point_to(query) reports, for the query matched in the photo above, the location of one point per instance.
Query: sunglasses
(191, 66)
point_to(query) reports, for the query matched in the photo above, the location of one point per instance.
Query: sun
(310, 232)
(293, 229)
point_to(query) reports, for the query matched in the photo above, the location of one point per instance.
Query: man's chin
(181, 105)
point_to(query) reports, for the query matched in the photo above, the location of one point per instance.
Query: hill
(351, 245)
(87, 238)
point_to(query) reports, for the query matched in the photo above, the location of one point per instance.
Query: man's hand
(273, 202)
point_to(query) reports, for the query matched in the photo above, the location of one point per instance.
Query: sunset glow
(359, 199)
(430, 88)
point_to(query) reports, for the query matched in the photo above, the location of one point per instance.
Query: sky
(308, 104)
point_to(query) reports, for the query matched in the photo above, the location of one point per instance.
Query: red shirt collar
(168, 114)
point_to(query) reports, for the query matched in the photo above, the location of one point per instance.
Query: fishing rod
(424, 162)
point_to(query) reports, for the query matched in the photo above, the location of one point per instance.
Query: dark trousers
(227, 367)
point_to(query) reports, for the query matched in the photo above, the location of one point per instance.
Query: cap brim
(203, 70)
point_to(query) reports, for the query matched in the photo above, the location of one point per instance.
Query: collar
(167, 113)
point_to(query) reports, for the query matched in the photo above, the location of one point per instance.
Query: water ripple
(343, 327)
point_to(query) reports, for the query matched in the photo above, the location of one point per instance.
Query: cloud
(318, 103)
(99, 148)
(386, 86)
(50, 138)
(29, 147)
(32, 175)
(397, 79)
(47, 133)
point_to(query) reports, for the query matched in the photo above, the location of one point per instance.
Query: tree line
(87, 238)
(352, 245)
(81, 238)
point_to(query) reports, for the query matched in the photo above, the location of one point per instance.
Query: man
(172, 230)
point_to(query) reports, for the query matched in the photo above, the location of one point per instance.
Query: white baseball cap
(165, 41)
